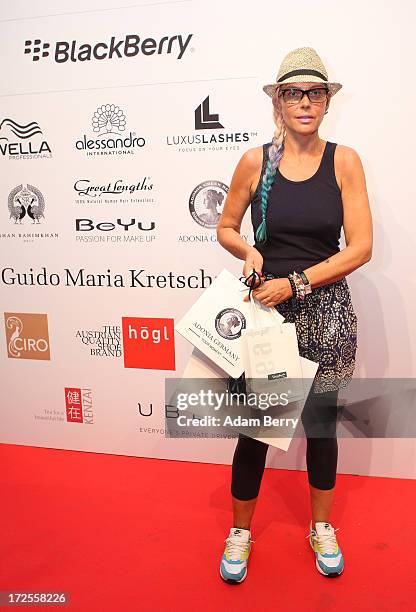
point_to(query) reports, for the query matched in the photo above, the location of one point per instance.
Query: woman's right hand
(254, 260)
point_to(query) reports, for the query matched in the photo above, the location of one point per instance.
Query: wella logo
(22, 140)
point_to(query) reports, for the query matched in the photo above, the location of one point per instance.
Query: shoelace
(236, 547)
(327, 542)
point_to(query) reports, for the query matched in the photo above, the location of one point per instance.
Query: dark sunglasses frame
(304, 91)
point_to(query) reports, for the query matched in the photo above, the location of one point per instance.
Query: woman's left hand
(272, 292)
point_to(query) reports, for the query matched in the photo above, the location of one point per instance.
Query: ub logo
(24, 201)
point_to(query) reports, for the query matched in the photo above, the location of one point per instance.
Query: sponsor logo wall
(111, 199)
(117, 147)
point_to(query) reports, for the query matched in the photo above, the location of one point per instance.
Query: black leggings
(319, 418)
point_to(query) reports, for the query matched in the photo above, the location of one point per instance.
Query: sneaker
(233, 568)
(329, 560)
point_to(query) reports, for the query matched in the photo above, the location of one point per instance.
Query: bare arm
(357, 225)
(236, 203)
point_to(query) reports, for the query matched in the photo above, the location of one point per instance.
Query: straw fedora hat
(302, 65)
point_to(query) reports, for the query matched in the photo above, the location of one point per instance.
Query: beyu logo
(130, 46)
(87, 225)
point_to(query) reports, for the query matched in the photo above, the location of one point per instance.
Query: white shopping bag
(214, 322)
(199, 366)
(271, 357)
(268, 434)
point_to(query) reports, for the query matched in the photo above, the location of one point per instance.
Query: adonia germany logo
(130, 46)
(229, 322)
(206, 203)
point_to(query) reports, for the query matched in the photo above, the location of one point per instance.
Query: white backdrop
(224, 51)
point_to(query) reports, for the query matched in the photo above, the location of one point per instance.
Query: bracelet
(308, 287)
(298, 287)
(293, 285)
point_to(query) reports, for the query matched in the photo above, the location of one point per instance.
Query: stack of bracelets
(300, 285)
(298, 281)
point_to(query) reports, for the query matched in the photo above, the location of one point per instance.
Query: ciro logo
(229, 322)
(206, 203)
(27, 335)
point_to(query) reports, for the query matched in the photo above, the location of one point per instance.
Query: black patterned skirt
(326, 328)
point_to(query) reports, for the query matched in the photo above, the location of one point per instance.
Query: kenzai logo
(130, 46)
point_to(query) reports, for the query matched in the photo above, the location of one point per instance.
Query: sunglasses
(293, 95)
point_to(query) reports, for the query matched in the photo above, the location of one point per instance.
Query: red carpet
(124, 534)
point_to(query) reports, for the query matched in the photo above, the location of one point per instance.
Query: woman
(301, 190)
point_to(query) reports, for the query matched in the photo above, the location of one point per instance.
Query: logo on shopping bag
(229, 322)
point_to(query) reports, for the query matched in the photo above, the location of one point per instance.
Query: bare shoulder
(252, 158)
(348, 165)
(250, 166)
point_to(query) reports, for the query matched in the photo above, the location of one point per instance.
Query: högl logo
(148, 343)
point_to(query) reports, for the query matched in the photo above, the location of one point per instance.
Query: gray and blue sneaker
(329, 560)
(233, 568)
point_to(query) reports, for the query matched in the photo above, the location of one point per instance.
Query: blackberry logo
(203, 118)
(24, 201)
(129, 46)
(206, 203)
(229, 322)
(36, 49)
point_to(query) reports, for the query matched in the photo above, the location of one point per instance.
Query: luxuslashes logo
(131, 45)
(209, 134)
(204, 119)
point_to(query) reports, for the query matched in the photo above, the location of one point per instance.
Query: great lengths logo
(130, 46)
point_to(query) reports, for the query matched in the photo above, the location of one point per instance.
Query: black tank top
(304, 218)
